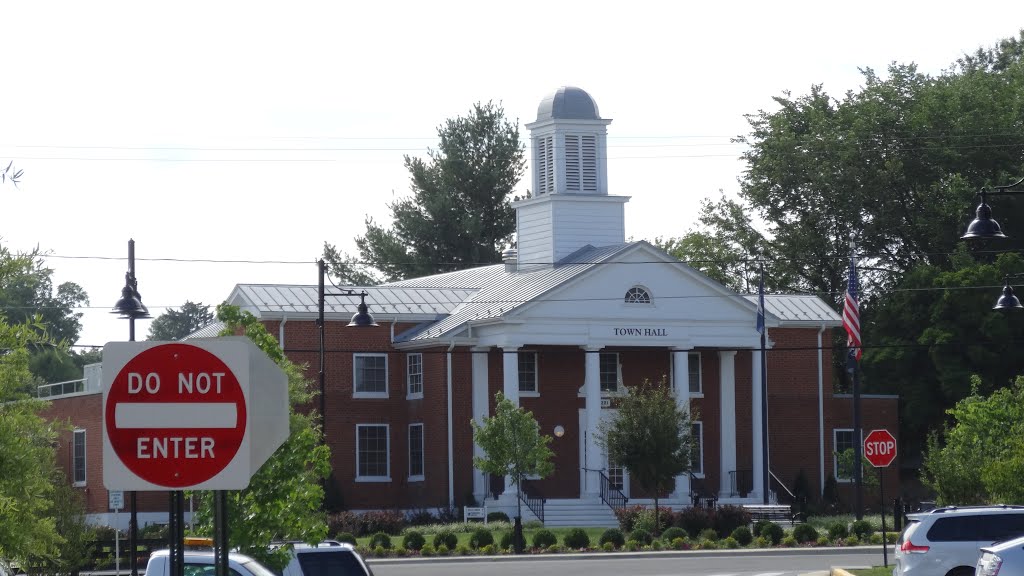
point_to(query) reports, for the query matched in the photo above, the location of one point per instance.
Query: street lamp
(130, 307)
(983, 226)
(1008, 300)
(361, 319)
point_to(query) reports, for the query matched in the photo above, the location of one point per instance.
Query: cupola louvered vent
(545, 168)
(572, 163)
(588, 152)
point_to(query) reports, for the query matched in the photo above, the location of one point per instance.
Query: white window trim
(650, 299)
(85, 458)
(835, 455)
(691, 361)
(423, 453)
(535, 393)
(408, 377)
(355, 372)
(387, 428)
(700, 446)
(618, 377)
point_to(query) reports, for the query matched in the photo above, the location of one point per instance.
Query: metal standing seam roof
(505, 291)
(383, 300)
(795, 309)
(211, 330)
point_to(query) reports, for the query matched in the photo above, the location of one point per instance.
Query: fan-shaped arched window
(637, 295)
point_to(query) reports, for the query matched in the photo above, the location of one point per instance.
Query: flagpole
(765, 470)
(858, 497)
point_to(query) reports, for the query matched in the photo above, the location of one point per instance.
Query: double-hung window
(610, 372)
(528, 372)
(370, 375)
(693, 364)
(842, 442)
(415, 452)
(372, 450)
(414, 375)
(78, 458)
(697, 448)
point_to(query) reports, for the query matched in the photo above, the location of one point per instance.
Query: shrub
(708, 545)
(742, 535)
(631, 545)
(730, 542)
(641, 536)
(708, 534)
(533, 525)
(380, 540)
(480, 537)
(427, 551)
(680, 544)
(693, 520)
(672, 533)
(413, 540)
(445, 538)
(851, 541)
(608, 546)
(346, 537)
(763, 542)
(463, 550)
(656, 545)
(627, 516)
(555, 548)
(488, 550)
(576, 539)
(151, 531)
(863, 529)
(728, 518)
(875, 538)
(421, 517)
(505, 542)
(805, 533)
(789, 541)
(759, 527)
(497, 517)
(380, 551)
(837, 531)
(442, 550)
(612, 536)
(823, 541)
(544, 538)
(773, 532)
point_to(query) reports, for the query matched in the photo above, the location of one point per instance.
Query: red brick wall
(876, 413)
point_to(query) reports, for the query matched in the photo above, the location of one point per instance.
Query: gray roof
(797, 309)
(568, 103)
(211, 330)
(415, 304)
(502, 292)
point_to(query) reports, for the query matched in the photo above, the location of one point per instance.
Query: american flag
(851, 314)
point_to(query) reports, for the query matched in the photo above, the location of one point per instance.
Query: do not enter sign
(880, 448)
(175, 415)
(202, 415)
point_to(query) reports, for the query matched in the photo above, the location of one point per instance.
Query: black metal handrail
(534, 502)
(611, 495)
(740, 482)
(700, 495)
(792, 498)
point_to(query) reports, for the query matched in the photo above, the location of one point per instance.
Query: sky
(230, 140)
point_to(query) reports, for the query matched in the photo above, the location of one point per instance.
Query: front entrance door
(617, 475)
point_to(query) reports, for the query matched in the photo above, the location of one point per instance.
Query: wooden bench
(771, 513)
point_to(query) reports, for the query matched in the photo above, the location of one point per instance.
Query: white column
(592, 391)
(510, 373)
(681, 387)
(727, 387)
(758, 443)
(481, 400)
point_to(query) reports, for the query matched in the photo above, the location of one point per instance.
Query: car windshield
(333, 563)
(256, 568)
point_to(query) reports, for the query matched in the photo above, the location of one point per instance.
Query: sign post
(115, 501)
(203, 414)
(880, 450)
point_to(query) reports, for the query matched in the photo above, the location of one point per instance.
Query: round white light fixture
(559, 431)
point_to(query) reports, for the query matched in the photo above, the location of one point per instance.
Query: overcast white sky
(256, 131)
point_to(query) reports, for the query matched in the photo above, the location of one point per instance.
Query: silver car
(1002, 559)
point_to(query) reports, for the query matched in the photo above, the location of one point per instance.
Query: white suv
(200, 563)
(329, 558)
(945, 541)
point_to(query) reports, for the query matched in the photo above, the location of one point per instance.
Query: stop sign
(175, 415)
(880, 448)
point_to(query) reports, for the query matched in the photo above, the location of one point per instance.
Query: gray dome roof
(568, 103)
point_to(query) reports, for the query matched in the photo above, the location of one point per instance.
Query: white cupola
(570, 206)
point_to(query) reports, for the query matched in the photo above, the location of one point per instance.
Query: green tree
(176, 324)
(513, 446)
(459, 215)
(284, 498)
(650, 436)
(67, 508)
(27, 458)
(981, 449)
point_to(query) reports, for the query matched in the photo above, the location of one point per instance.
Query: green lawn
(874, 571)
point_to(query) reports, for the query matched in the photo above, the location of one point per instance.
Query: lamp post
(361, 319)
(983, 226)
(1008, 301)
(130, 307)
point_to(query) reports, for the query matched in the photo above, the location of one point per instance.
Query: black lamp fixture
(1008, 300)
(130, 307)
(983, 226)
(361, 319)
